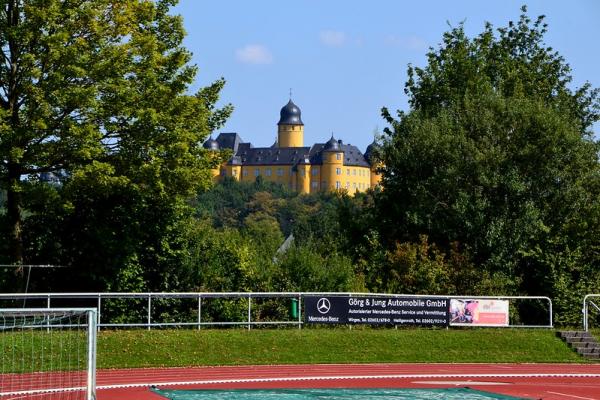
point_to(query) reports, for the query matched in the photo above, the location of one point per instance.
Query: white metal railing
(587, 302)
(100, 300)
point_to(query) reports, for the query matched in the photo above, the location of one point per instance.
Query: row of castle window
(338, 185)
(361, 172)
(280, 172)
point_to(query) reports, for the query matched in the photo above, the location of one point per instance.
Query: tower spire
(290, 93)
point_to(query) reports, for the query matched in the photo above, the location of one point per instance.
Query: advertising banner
(410, 311)
(482, 312)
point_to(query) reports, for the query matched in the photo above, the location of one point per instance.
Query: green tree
(497, 155)
(97, 90)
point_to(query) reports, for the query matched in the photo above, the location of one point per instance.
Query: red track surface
(537, 381)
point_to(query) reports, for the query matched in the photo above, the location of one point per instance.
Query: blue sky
(345, 59)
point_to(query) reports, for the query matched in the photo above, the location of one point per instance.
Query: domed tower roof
(372, 149)
(211, 144)
(332, 145)
(290, 115)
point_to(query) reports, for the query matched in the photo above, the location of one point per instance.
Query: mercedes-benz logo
(323, 305)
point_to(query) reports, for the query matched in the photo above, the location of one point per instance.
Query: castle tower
(371, 156)
(303, 176)
(333, 161)
(213, 146)
(290, 129)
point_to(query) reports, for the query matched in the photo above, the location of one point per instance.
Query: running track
(536, 381)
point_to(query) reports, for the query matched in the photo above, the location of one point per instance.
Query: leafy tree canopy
(96, 91)
(496, 156)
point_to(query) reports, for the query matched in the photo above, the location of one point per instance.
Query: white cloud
(254, 54)
(333, 38)
(406, 42)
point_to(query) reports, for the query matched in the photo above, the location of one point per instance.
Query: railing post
(249, 310)
(98, 311)
(199, 311)
(149, 322)
(551, 313)
(585, 314)
(299, 311)
(48, 306)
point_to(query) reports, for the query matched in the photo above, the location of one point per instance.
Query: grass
(173, 348)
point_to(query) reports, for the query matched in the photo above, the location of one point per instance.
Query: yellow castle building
(327, 166)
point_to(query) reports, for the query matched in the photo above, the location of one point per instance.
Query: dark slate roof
(229, 140)
(332, 145)
(352, 156)
(290, 114)
(373, 148)
(271, 156)
(246, 154)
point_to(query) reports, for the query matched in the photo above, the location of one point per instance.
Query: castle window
(233, 172)
(348, 171)
(314, 185)
(354, 171)
(338, 171)
(302, 172)
(347, 185)
(323, 184)
(268, 172)
(338, 156)
(315, 171)
(338, 185)
(354, 185)
(256, 172)
(245, 172)
(223, 172)
(279, 171)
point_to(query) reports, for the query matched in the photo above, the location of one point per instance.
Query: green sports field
(171, 348)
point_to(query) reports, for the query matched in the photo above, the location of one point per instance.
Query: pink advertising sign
(482, 312)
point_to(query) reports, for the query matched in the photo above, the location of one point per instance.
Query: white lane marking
(348, 377)
(573, 396)
(461, 383)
